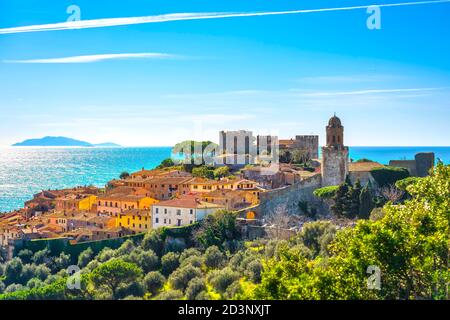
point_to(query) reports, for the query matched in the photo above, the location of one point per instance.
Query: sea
(25, 171)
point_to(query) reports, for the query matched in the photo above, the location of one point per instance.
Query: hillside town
(173, 195)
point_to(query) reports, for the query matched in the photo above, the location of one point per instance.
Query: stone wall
(334, 165)
(419, 167)
(287, 199)
(408, 164)
(309, 143)
(424, 163)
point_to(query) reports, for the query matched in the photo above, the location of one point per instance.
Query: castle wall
(287, 199)
(308, 143)
(424, 163)
(407, 164)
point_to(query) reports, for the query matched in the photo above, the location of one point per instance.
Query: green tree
(153, 240)
(13, 271)
(326, 192)
(124, 175)
(387, 175)
(85, 257)
(213, 257)
(169, 262)
(25, 255)
(194, 288)
(409, 244)
(166, 163)
(114, 273)
(366, 204)
(154, 281)
(203, 172)
(180, 278)
(340, 205)
(217, 229)
(222, 279)
(221, 172)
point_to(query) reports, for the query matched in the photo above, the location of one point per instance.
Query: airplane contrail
(110, 22)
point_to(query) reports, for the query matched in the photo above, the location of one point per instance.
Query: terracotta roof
(168, 180)
(363, 166)
(187, 202)
(286, 141)
(121, 197)
(135, 212)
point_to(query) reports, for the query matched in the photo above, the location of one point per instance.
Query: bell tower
(335, 133)
(334, 154)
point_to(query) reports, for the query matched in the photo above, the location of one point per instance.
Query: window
(178, 222)
(157, 210)
(191, 222)
(157, 220)
(191, 211)
(178, 212)
(165, 211)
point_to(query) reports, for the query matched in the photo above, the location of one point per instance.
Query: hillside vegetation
(408, 244)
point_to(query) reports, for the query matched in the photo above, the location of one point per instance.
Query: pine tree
(366, 204)
(353, 200)
(340, 201)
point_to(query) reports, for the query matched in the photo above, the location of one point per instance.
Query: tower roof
(334, 122)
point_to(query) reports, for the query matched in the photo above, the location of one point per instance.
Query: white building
(181, 211)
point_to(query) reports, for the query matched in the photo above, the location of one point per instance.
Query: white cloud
(96, 58)
(364, 92)
(109, 22)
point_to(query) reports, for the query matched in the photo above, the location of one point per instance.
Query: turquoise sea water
(26, 171)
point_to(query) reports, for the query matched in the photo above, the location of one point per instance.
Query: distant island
(61, 142)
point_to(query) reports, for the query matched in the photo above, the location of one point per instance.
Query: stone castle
(335, 156)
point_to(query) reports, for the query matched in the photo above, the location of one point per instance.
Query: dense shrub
(154, 281)
(213, 257)
(153, 241)
(169, 262)
(85, 257)
(254, 270)
(326, 192)
(404, 183)
(170, 295)
(217, 229)
(180, 278)
(387, 175)
(222, 279)
(194, 288)
(25, 255)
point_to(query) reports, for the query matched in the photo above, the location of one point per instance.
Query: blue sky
(284, 74)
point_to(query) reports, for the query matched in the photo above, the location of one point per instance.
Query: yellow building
(113, 204)
(232, 199)
(206, 185)
(75, 202)
(135, 220)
